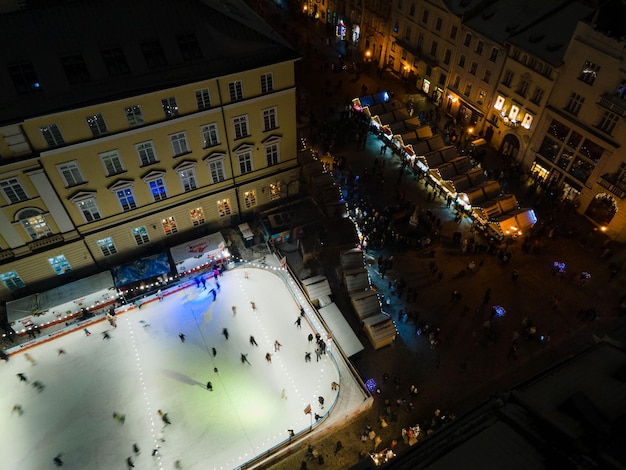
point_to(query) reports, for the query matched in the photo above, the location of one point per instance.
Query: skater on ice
(277, 346)
(225, 333)
(209, 386)
(253, 341)
(182, 337)
(22, 377)
(244, 359)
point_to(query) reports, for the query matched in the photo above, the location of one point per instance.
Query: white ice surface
(143, 369)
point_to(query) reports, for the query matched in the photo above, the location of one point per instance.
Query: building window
(275, 191)
(107, 246)
(589, 72)
(169, 225)
(487, 76)
(407, 33)
(468, 40)
(403, 54)
(223, 207)
(245, 162)
(115, 61)
(24, 78)
(267, 82)
(60, 264)
(433, 49)
(71, 174)
(240, 124)
(479, 47)
(13, 190)
(189, 46)
(216, 169)
(153, 54)
(412, 10)
(473, 68)
(438, 24)
(272, 154)
(537, 95)
(249, 199)
(522, 88)
(210, 137)
(126, 198)
(203, 98)
(141, 235)
(396, 27)
(457, 82)
(197, 216)
(508, 78)
(12, 281)
(494, 54)
(461, 61)
(170, 107)
(75, 69)
(97, 125)
(34, 223)
(112, 163)
(468, 89)
(425, 16)
(235, 89)
(187, 174)
(442, 79)
(269, 119)
(179, 144)
(88, 208)
(482, 94)
(575, 103)
(52, 134)
(134, 115)
(608, 121)
(145, 151)
(156, 183)
(447, 56)
(453, 32)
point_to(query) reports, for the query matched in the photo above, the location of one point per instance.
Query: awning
(199, 253)
(365, 303)
(341, 330)
(424, 132)
(147, 267)
(317, 287)
(44, 307)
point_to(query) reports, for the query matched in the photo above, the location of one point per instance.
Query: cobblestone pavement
(468, 365)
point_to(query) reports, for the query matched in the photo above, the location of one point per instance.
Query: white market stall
(340, 330)
(380, 329)
(365, 303)
(200, 254)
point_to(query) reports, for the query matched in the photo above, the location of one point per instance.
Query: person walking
(318, 354)
(209, 386)
(225, 333)
(244, 359)
(268, 358)
(182, 337)
(298, 322)
(253, 341)
(277, 346)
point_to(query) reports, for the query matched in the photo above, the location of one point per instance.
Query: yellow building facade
(129, 170)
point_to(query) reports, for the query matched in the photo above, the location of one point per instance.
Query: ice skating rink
(144, 367)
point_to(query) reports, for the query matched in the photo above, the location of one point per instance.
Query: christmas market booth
(208, 252)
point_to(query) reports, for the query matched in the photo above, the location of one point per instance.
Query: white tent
(316, 288)
(365, 303)
(352, 259)
(356, 280)
(380, 329)
(341, 330)
(199, 253)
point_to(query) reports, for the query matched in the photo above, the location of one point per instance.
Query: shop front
(208, 252)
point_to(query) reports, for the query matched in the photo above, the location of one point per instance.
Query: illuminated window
(124, 193)
(52, 134)
(197, 216)
(187, 173)
(34, 222)
(87, 206)
(156, 183)
(97, 125)
(60, 264)
(528, 121)
(170, 107)
(250, 199)
(107, 246)
(499, 103)
(589, 72)
(275, 191)
(140, 234)
(223, 207)
(169, 225)
(12, 281)
(134, 115)
(513, 113)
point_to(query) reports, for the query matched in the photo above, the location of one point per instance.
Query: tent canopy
(142, 268)
(83, 291)
(317, 287)
(191, 255)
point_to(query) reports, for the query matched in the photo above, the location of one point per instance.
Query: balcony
(609, 183)
(45, 242)
(614, 104)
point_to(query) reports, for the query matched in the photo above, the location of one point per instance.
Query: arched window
(34, 222)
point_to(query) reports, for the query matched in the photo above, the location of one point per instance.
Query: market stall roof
(316, 287)
(86, 291)
(424, 132)
(193, 254)
(341, 330)
(356, 280)
(514, 222)
(143, 268)
(352, 259)
(365, 303)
